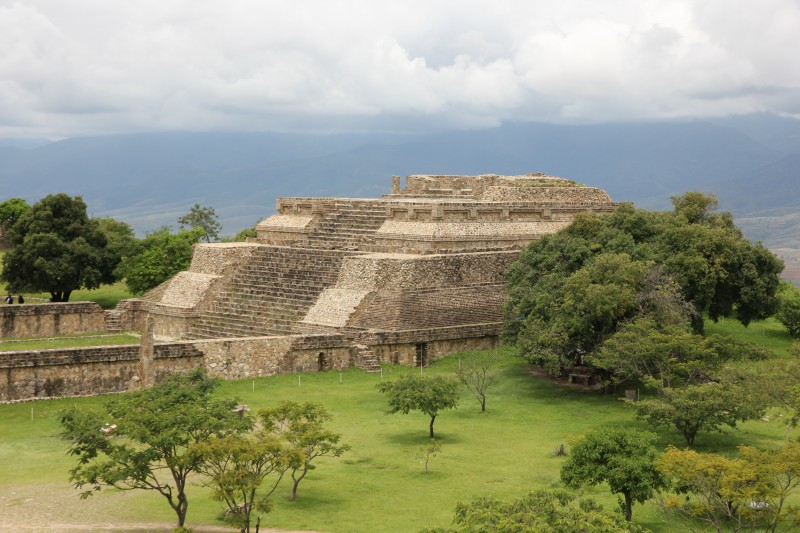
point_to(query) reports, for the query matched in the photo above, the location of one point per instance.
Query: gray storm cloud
(86, 67)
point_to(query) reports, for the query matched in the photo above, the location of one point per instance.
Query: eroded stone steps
(270, 293)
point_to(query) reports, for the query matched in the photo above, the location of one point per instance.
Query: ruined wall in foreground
(36, 374)
(48, 320)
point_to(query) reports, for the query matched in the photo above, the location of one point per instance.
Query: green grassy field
(380, 485)
(68, 341)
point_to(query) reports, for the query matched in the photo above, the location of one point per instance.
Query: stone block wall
(46, 320)
(37, 374)
(266, 356)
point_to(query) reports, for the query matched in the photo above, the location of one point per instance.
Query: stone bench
(580, 379)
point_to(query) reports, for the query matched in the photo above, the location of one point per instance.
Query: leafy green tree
(747, 492)
(57, 248)
(557, 511)
(120, 237)
(701, 407)
(668, 355)
(156, 258)
(237, 466)
(623, 458)
(788, 312)
(475, 372)
(565, 301)
(10, 211)
(420, 393)
(300, 425)
(141, 440)
(202, 218)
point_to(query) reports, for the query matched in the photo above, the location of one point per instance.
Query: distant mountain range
(751, 162)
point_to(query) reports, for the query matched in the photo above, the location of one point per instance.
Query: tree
(10, 211)
(301, 426)
(745, 492)
(565, 300)
(141, 441)
(429, 451)
(623, 458)
(202, 218)
(556, 511)
(157, 258)
(700, 407)
(57, 248)
(474, 372)
(788, 312)
(237, 465)
(120, 237)
(420, 393)
(668, 355)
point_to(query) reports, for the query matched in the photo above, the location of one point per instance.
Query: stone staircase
(366, 359)
(112, 321)
(350, 226)
(269, 293)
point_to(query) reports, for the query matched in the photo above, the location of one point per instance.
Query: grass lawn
(769, 333)
(68, 341)
(380, 485)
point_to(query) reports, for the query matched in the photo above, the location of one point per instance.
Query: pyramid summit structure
(405, 278)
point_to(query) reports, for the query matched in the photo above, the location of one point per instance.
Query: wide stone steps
(270, 293)
(350, 226)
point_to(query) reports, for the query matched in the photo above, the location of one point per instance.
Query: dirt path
(56, 508)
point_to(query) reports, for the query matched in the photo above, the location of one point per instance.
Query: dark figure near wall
(20, 299)
(9, 299)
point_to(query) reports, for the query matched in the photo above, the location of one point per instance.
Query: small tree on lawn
(141, 441)
(427, 452)
(623, 458)
(237, 466)
(420, 393)
(301, 426)
(701, 407)
(474, 372)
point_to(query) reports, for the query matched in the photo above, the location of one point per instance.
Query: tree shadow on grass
(417, 439)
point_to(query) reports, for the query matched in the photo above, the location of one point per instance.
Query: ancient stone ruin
(327, 283)
(405, 278)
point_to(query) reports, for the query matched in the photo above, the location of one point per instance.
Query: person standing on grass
(9, 299)
(20, 299)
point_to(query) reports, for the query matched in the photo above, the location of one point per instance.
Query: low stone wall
(84, 371)
(36, 374)
(46, 320)
(266, 356)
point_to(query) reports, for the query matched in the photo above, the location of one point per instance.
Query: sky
(90, 67)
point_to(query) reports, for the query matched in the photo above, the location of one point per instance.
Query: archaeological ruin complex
(332, 282)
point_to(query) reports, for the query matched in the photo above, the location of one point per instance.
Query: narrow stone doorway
(323, 362)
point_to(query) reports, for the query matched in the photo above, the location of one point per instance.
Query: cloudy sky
(83, 67)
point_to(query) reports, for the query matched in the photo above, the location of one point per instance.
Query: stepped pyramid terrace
(405, 278)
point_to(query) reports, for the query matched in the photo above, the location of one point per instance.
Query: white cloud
(93, 66)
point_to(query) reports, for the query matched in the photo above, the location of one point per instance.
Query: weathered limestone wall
(397, 291)
(34, 374)
(84, 371)
(547, 195)
(45, 320)
(265, 356)
(404, 347)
